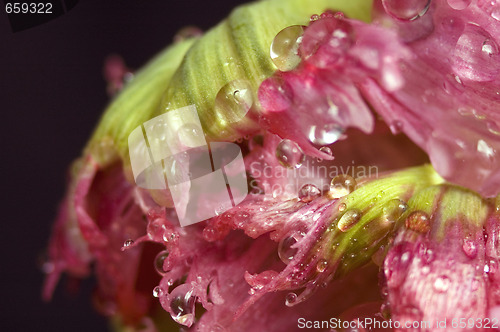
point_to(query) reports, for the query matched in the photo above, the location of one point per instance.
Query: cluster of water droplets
(492, 8)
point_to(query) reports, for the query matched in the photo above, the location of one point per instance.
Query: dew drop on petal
(426, 254)
(385, 310)
(182, 302)
(157, 291)
(321, 266)
(221, 208)
(325, 134)
(396, 265)
(396, 126)
(127, 244)
(285, 250)
(470, 248)
(418, 221)
(342, 207)
(187, 33)
(159, 262)
(459, 4)
(309, 192)
(234, 100)
(485, 149)
(441, 284)
(476, 55)
(326, 42)
(491, 269)
(342, 185)
(348, 219)
(289, 154)
(314, 17)
(285, 47)
(290, 299)
(495, 13)
(190, 135)
(406, 10)
(393, 210)
(327, 150)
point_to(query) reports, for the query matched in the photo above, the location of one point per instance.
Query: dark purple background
(51, 96)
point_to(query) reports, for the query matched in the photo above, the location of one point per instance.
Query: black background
(52, 93)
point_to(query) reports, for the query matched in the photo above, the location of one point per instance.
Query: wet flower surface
(370, 148)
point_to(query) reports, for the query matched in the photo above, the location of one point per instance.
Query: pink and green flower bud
(437, 267)
(296, 91)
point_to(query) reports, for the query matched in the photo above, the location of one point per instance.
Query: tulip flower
(370, 143)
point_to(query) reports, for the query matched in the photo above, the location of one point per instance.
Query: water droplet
(240, 218)
(327, 150)
(385, 310)
(485, 149)
(476, 55)
(349, 219)
(418, 221)
(326, 42)
(309, 192)
(290, 299)
(127, 244)
(159, 262)
(286, 249)
(321, 266)
(493, 128)
(396, 126)
(407, 10)
(426, 254)
(470, 248)
(441, 284)
(341, 185)
(157, 291)
(182, 301)
(342, 207)
(289, 154)
(396, 264)
(285, 47)
(221, 208)
(325, 134)
(393, 210)
(495, 13)
(459, 4)
(191, 135)
(187, 33)
(233, 101)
